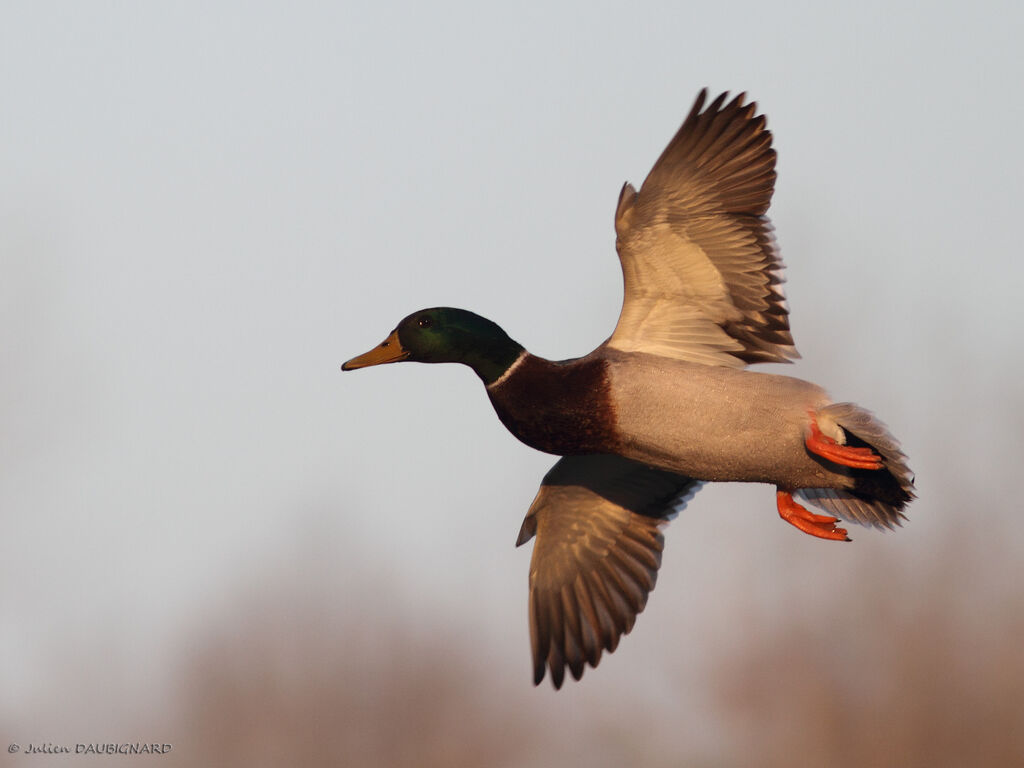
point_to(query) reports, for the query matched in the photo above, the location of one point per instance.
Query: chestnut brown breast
(562, 408)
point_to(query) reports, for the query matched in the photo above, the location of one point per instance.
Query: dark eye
(424, 322)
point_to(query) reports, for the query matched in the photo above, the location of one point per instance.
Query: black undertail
(878, 496)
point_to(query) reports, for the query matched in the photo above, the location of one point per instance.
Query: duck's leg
(822, 526)
(827, 447)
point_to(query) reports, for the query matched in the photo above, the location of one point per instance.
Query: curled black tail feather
(878, 496)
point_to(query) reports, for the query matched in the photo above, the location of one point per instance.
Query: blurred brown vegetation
(274, 690)
(930, 673)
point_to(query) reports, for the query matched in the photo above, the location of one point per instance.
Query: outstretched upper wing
(597, 554)
(701, 269)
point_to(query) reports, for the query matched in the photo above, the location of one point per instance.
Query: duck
(667, 403)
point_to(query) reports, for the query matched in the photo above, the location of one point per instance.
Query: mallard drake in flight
(666, 402)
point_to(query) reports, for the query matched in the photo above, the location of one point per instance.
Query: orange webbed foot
(845, 455)
(822, 526)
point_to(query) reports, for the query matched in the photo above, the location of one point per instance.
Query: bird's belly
(718, 424)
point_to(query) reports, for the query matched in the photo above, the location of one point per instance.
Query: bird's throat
(493, 361)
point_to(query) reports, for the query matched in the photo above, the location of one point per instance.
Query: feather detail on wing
(597, 520)
(701, 271)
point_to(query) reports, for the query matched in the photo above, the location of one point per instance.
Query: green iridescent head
(445, 335)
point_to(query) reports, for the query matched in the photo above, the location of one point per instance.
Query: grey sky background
(206, 208)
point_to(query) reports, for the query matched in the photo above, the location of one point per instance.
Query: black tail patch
(878, 496)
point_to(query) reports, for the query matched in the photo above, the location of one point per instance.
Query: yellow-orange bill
(388, 351)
